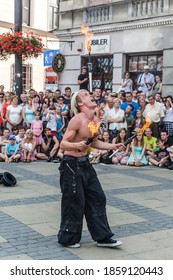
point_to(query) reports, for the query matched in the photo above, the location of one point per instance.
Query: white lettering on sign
(100, 44)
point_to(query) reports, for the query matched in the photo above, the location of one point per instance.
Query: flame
(88, 35)
(145, 126)
(94, 127)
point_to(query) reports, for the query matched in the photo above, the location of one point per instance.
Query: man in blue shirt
(128, 102)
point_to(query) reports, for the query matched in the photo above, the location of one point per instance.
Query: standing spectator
(60, 123)
(11, 152)
(1, 104)
(145, 81)
(37, 103)
(157, 86)
(139, 120)
(44, 114)
(28, 112)
(154, 111)
(127, 83)
(28, 146)
(51, 120)
(6, 103)
(97, 94)
(129, 119)
(37, 128)
(67, 97)
(137, 156)
(115, 118)
(168, 118)
(83, 79)
(135, 96)
(129, 101)
(14, 113)
(23, 98)
(142, 104)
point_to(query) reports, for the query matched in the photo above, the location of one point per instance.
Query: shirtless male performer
(82, 193)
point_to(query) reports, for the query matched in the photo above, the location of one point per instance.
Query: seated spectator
(137, 156)
(164, 135)
(28, 145)
(11, 151)
(170, 164)
(161, 155)
(50, 145)
(105, 154)
(121, 157)
(4, 139)
(15, 130)
(150, 141)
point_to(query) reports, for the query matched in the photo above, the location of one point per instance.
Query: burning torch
(129, 140)
(88, 36)
(93, 127)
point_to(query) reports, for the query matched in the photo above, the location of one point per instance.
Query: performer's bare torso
(80, 133)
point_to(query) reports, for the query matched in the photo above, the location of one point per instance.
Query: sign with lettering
(100, 44)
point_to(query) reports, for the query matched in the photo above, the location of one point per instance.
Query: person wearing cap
(11, 151)
(145, 81)
(83, 79)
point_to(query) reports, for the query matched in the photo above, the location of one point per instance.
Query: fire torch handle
(128, 141)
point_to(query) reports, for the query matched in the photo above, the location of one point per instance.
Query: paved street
(139, 207)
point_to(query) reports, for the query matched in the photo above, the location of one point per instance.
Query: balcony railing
(98, 14)
(147, 7)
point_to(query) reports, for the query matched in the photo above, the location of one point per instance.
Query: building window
(135, 64)
(26, 77)
(102, 71)
(53, 14)
(26, 12)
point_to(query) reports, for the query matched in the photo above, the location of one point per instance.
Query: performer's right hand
(82, 146)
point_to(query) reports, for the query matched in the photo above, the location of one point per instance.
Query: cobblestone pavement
(139, 208)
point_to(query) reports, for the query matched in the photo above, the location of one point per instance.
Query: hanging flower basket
(25, 45)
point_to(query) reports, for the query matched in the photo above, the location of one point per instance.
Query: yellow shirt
(150, 143)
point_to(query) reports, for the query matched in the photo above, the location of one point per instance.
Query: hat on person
(146, 67)
(12, 137)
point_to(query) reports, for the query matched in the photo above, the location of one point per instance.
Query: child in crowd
(37, 128)
(44, 114)
(129, 119)
(28, 145)
(161, 155)
(121, 157)
(150, 142)
(139, 120)
(51, 120)
(11, 152)
(60, 122)
(137, 156)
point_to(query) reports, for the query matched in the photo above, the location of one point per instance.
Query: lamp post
(89, 68)
(18, 60)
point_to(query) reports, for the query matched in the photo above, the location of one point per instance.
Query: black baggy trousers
(82, 194)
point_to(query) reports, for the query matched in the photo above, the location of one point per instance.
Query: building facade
(40, 18)
(128, 34)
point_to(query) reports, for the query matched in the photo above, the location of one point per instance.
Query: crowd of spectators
(32, 128)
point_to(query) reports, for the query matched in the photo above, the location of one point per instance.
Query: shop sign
(100, 44)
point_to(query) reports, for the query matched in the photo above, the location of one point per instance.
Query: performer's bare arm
(106, 146)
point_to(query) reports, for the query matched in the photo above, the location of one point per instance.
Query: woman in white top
(14, 113)
(168, 119)
(127, 83)
(115, 118)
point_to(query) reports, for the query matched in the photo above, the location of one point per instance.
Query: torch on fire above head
(137, 132)
(88, 35)
(93, 127)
